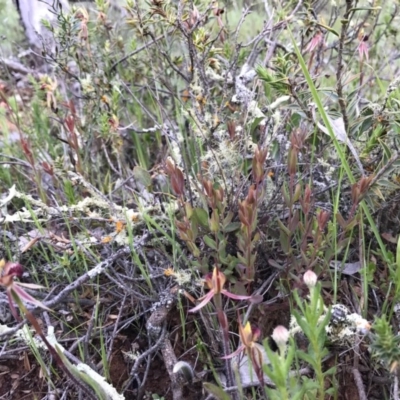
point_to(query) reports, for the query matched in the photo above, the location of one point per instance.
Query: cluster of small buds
(322, 219)
(259, 158)
(305, 200)
(215, 196)
(360, 188)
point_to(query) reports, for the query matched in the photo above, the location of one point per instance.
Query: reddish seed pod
(322, 219)
(306, 200)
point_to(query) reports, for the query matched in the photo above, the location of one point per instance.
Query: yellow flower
(169, 272)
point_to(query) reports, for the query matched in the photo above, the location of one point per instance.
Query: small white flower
(280, 335)
(310, 279)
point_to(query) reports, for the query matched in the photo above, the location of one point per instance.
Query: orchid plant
(14, 288)
(215, 281)
(249, 335)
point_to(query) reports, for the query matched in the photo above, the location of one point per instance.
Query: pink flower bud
(310, 279)
(280, 335)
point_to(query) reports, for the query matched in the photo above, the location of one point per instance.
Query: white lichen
(343, 328)
(26, 335)
(183, 277)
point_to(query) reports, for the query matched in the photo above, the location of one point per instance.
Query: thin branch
(396, 387)
(356, 372)
(142, 357)
(359, 384)
(144, 47)
(97, 270)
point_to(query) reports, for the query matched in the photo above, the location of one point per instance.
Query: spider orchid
(254, 351)
(14, 289)
(248, 336)
(215, 281)
(363, 48)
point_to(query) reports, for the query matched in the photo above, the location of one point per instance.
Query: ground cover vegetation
(199, 200)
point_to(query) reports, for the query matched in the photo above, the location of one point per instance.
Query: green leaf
(242, 259)
(386, 151)
(286, 196)
(331, 391)
(142, 176)
(255, 124)
(275, 149)
(263, 73)
(216, 391)
(328, 28)
(233, 226)
(222, 246)
(387, 184)
(306, 357)
(284, 241)
(201, 216)
(365, 9)
(330, 371)
(283, 228)
(210, 242)
(193, 248)
(213, 221)
(233, 262)
(188, 210)
(228, 219)
(303, 324)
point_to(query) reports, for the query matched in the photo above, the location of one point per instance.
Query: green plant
(174, 141)
(385, 345)
(312, 319)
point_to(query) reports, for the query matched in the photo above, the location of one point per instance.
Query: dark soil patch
(20, 379)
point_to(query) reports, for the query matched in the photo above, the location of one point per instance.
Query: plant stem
(223, 321)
